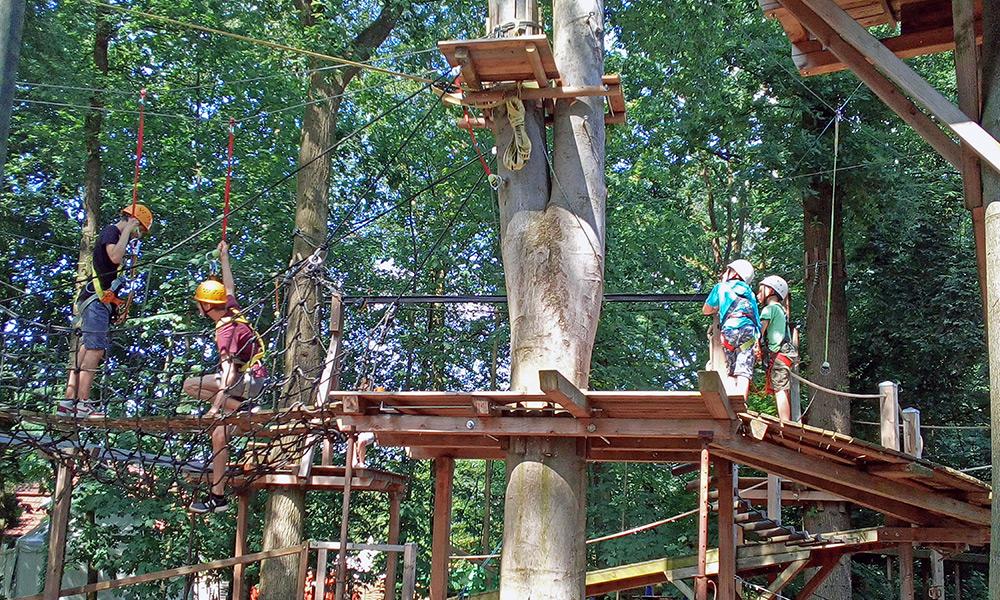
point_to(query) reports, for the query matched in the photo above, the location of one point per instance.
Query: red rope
(138, 150)
(475, 146)
(229, 178)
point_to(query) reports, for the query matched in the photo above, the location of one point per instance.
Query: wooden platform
(924, 27)
(322, 478)
(495, 69)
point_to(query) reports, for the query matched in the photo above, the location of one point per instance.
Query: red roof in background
(32, 503)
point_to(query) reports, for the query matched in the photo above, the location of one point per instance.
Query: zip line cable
(259, 42)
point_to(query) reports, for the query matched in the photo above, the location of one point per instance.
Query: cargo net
(153, 436)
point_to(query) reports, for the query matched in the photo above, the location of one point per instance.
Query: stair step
(775, 531)
(798, 535)
(759, 525)
(753, 516)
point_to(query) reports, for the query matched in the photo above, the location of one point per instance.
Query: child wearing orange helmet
(97, 307)
(240, 375)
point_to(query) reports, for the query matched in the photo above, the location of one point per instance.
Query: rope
(229, 178)
(264, 43)
(495, 180)
(825, 368)
(833, 392)
(138, 149)
(519, 150)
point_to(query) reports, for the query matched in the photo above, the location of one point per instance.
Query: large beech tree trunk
(552, 242)
(827, 411)
(284, 518)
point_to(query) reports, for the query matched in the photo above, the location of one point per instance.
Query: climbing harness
(253, 372)
(519, 151)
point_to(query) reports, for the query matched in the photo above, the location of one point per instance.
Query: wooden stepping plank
(502, 59)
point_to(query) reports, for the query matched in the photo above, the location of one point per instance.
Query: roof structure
(32, 503)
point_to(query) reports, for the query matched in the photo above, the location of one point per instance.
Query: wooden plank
(701, 580)
(878, 83)
(935, 535)
(240, 546)
(804, 497)
(305, 465)
(713, 394)
(913, 441)
(300, 589)
(62, 499)
(531, 52)
(726, 474)
(321, 566)
(967, 129)
(825, 570)
(392, 560)
(353, 547)
(345, 513)
(561, 391)
(889, 414)
(901, 471)
(538, 426)
(102, 586)
(879, 494)
(409, 572)
(682, 587)
(784, 578)
(444, 472)
(469, 75)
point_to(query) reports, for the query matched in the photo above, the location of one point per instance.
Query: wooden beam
(240, 546)
(882, 495)
(901, 471)
(536, 65)
(713, 392)
(825, 570)
(345, 513)
(967, 80)
(444, 472)
(725, 474)
(889, 414)
(784, 578)
(561, 391)
(966, 128)
(935, 535)
(469, 75)
(878, 83)
(701, 580)
(538, 426)
(906, 572)
(682, 587)
(893, 21)
(392, 559)
(171, 573)
(321, 565)
(409, 572)
(300, 589)
(62, 499)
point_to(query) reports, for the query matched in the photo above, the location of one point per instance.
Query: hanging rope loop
(229, 177)
(519, 150)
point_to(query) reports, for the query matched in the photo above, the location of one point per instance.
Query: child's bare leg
(203, 388)
(81, 376)
(784, 403)
(742, 386)
(220, 458)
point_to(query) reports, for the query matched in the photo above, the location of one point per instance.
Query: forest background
(726, 153)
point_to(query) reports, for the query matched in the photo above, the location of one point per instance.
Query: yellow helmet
(210, 291)
(142, 213)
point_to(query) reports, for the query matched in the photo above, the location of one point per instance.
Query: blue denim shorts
(95, 324)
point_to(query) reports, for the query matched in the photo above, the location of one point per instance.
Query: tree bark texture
(285, 511)
(11, 26)
(991, 199)
(825, 410)
(552, 243)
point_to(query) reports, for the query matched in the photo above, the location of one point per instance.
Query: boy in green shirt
(777, 345)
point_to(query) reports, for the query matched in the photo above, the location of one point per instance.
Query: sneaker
(79, 409)
(209, 504)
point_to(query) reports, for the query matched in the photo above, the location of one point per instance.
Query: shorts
(738, 349)
(95, 325)
(779, 374)
(247, 386)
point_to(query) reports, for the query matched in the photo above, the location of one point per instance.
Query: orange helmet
(210, 291)
(142, 213)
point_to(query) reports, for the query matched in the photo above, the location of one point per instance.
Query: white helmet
(779, 285)
(744, 269)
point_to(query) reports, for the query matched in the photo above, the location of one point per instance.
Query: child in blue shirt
(739, 320)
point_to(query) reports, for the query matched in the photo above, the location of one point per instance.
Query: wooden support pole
(993, 331)
(240, 547)
(854, 34)
(889, 413)
(701, 580)
(774, 498)
(392, 559)
(878, 83)
(330, 379)
(300, 591)
(62, 500)
(345, 514)
(444, 472)
(906, 572)
(937, 576)
(958, 580)
(409, 571)
(725, 473)
(913, 441)
(321, 566)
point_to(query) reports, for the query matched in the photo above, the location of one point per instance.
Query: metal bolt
(591, 428)
(470, 424)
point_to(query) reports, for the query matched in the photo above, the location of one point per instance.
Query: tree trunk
(284, 516)
(552, 242)
(827, 411)
(991, 195)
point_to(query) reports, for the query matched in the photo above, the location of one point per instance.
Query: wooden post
(701, 580)
(242, 515)
(993, 331)
(889, 412)
(300, 591)
(906, 572)
(958, 580)
(726, 476)
(936, 590)
(344, 515)
(409, 571)
(913, 441)
(444, 472)
(321, 560)
(795, 394)
(392, 559)
(774, 498)
(62, 499)
(330, 379)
